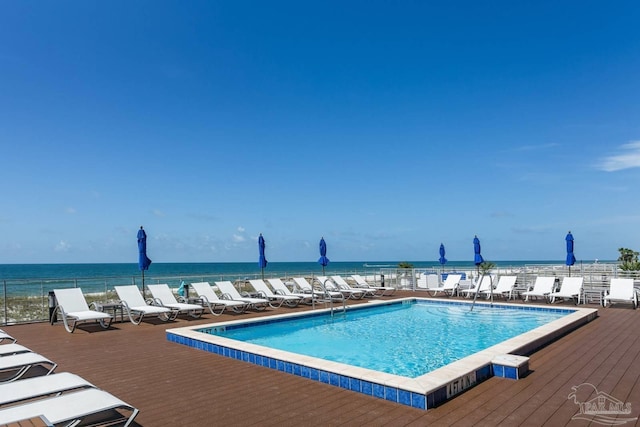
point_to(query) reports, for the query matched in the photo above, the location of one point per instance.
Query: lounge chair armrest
(226, 296)
(155, 301)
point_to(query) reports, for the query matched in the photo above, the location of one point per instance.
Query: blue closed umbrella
(442, 259)
(477, 259)
(571, 259)
(323, 260)
(143, 261)
(262, 261)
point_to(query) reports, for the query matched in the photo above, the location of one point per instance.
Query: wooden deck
(174, 385)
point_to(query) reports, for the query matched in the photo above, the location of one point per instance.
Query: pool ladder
(328, 299)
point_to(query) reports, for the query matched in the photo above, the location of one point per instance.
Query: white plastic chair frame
(136, 315)
(209, 299)
(162, 297)
(77, 311)
(275, 300)
(15, 366)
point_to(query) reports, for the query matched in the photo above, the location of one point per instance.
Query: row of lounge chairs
(73, 308)
(571, 288)
(620, 290)
(30, 391)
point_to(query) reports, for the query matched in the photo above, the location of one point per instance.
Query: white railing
(28, 300)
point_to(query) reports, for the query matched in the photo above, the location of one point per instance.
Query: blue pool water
(409, 339)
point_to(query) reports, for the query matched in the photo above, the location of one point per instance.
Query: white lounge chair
(163, 297)
(542, 287)
(426, 281)
(504, 288)
(343, 284)
(620, 290)
(11, 349)
(421, 281)
(31, 388)
(449, 286)
(6, 337)
(331, 286)
(216, 305)
(15, 366)
(281, 289)
(226, 287)
(433, 280)
(485, 285)
(136, 308)
(362, 283)
(275, 300)
(306, 287)
(571, 288)
(73, 309)
(70, 408)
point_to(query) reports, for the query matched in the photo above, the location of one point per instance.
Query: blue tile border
(381, 391)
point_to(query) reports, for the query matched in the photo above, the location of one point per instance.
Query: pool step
(510, 366)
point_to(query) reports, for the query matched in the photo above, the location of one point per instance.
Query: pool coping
(423, 392)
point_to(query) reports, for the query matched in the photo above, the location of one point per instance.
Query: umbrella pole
(481, 279)
(143, 293)
(491, 289)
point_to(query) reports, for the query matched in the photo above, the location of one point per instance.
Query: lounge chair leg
(105, 323)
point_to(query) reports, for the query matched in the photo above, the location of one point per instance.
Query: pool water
(409, 339)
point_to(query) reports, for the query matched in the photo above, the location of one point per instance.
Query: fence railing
(28, 300)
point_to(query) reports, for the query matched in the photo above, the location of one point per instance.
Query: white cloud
(238, 238)
(70, 210)
(158, 213)
(62, 246)
(241, 229)
(629, 158)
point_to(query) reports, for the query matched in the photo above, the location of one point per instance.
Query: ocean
(83, 271)
(38, 279)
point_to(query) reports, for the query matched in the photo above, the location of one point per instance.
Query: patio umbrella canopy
(143, 261)
(571, 259)
(323, 260)
(262, 260)
(477, 259)
(442, 259)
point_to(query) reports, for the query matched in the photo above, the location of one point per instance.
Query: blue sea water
(37, 279)
(82, 271)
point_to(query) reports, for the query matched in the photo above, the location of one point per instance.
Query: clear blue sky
(386, 127)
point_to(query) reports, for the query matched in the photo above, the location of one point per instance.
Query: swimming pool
(409, 339)
(417, 389)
